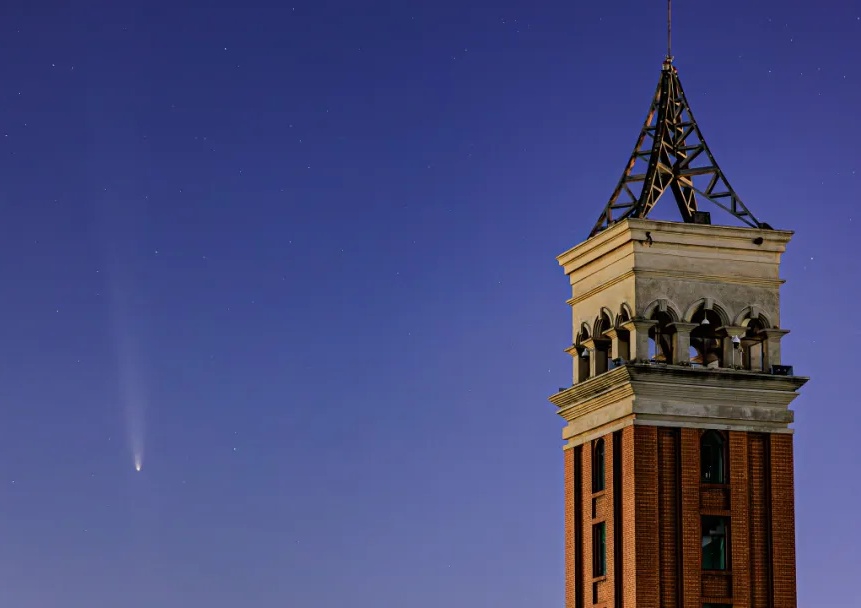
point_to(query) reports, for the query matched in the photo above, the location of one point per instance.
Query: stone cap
(677, 396)
(642, 237)
(700, 377)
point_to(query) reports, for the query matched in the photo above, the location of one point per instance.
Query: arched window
(706, 345)
(581, 362)
(624, 336)
(598, 466)
(713, 457)
(661, 338)
(602, 344)
(753, 344)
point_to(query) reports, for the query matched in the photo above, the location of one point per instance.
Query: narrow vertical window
(598, 466)
(713, 457)
(599, 549)
(715, 553)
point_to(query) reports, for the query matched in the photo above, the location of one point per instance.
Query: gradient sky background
(311, 246)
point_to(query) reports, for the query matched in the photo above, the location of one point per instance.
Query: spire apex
(671, 153)
(669, 31)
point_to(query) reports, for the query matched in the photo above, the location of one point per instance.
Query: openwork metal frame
(676, 153)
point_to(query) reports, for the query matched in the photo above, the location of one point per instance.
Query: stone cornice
(591, 388)
(718, 378)
(677, 233)
(676, 376)
(588, 294)
(610, 397)
(670, 395)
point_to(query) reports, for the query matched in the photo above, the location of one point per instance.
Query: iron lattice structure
(676, 157)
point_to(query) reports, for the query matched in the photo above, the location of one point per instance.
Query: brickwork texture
(652, 505)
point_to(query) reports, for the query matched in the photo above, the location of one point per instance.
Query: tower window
(598, 472)
(602, 344)
(714, 534)
(599, 549)
(661, 338)
(753, 345)
(713, 457)
(706, 344)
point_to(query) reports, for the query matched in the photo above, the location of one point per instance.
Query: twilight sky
(301, 255)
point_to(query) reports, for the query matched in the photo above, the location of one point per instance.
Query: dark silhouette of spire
(672, 154)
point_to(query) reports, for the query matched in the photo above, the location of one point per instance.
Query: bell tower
(678, 456)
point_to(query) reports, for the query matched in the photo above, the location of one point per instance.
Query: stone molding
(677, 396)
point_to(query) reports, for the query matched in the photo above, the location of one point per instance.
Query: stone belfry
(678, 456)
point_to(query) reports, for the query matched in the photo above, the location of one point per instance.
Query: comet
(127, 318)
(135, 407)
(131, 375)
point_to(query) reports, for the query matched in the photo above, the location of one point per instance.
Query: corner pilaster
(771, 351)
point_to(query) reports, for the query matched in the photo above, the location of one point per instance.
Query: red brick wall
(739, 540)
(586, 525)
(569, 529)
(646, 524)
(668, 501)
(579, 521)
(690, 519)
(783, 521)
(603, 511)
(630, 583)
(760, 572)
(662, 500)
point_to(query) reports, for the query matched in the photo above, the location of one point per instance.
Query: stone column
(581, 367)
(771, 348)
(731, 354)
(682, 342)
(638, 329)
(619, 348)
(753, 350)
(598, 355)
(589, 347)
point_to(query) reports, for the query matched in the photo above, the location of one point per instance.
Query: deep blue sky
(312, 244)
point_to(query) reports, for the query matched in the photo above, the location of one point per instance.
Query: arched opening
(753, 345)
(582, 361)
(706, 345)
(598, 472)
(712, 458)
(661, 338)
(602, 344)
(623, 336)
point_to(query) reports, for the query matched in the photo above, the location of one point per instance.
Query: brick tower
(678, 461)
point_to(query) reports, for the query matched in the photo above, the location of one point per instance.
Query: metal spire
(670, 30)
(671, 153)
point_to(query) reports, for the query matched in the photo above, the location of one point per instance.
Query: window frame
(725, 558)
(599, 549)
(599, 465)
(723, 453)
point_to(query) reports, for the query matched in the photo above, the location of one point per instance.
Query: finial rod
(669, 30)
